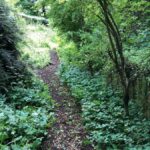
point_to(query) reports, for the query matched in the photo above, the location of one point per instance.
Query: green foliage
(68, 17)
(80, 22)
(80, 25)
(28, 6)
(26, 109)
(10, 67)
(109, 129)
(24, 120)
(87, 50)
(33, 7)
(102, 112)
(36, 46)
(84, 46)
(136, 33)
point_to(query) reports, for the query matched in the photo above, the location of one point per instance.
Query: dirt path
(67, 133)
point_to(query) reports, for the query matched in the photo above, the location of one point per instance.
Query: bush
(10, 66)
(28, 6)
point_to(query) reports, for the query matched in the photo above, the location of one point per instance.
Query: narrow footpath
(68, 132)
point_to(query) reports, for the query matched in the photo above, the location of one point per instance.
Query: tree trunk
(90, 68)
(116, 50)
(34, 18)
(126, 99)
(44, 11)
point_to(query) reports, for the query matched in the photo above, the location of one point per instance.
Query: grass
(38, 41)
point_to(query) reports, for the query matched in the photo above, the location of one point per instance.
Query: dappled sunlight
(39, 40)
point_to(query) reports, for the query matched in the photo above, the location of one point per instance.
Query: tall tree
(116, 50)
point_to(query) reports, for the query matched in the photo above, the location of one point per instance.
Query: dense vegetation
(105, 61)
(10, 66)
(106, 65)
(25, 104)
(103, 112)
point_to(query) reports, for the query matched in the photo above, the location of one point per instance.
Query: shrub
(10, 66)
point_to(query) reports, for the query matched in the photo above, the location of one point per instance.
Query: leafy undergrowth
(25, 113)
(102, 111)
(38, 41)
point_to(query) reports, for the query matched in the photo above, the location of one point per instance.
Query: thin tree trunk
(116, 50)
(126, 99)
(44, 11)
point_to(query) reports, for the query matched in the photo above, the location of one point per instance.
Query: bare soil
(68, 132)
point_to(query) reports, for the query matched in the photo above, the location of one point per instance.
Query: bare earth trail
(68, 132)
